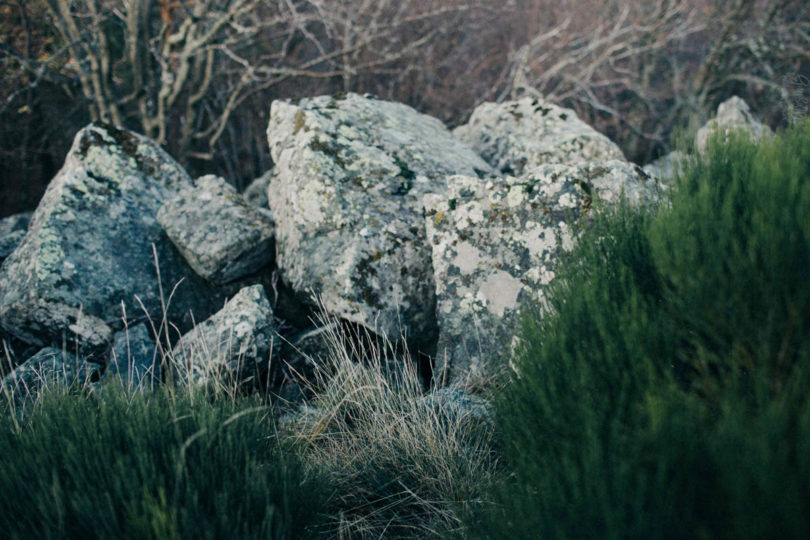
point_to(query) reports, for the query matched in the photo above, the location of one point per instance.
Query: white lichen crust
(516, 136)
(496, 246)
(350, 172)
(233, 344)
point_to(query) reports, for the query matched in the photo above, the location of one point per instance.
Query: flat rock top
(516, 136)
(366, 135)
(345, 161)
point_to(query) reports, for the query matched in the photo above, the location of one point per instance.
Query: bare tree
(635, 70)
(198, 75)
(178, 69)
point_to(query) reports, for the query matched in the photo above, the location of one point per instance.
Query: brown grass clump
(403, 463)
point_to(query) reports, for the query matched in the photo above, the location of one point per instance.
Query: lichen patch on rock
(497, 246)
(346, 198)
(516, 136)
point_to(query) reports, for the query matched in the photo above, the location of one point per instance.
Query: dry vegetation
(381, 457)
(198, 76)
(403, 463)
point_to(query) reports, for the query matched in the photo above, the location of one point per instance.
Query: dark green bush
(666, 396)
(150, 466)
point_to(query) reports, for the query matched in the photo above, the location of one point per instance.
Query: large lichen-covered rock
(516, 136)
(221, 236)
(233, 345)
(496, 246)
(48, 367)
(732, 115)
(12, 230)
(346, 199)
(88, 249)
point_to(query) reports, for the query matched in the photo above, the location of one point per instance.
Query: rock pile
(91, 246)
(374, 213)
(346, 198)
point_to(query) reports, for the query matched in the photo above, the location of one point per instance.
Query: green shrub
(150, 466)
(666, 395)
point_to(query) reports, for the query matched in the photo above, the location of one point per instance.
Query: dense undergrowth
(667, 394)
(157, 465)
(664, 395)
(402, 464)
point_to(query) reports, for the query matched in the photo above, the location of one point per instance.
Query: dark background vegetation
(199, 76)
(664, 395)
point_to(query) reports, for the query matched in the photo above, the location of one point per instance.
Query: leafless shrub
(635, 70)
(198, 76)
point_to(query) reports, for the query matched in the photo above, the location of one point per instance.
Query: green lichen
(299, 122)
(329, 148)
(406, 173)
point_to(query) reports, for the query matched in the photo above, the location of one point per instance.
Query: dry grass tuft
(402, 464)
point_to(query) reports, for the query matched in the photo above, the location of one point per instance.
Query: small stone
(235, 344)
(48, 367)
(456, 403)
(732, 115)
(220, 235)
(668, 167)
(256, 192)
(312, 348)
(516, 136)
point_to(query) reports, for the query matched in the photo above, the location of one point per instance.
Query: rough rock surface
(733, 114)
(88, 248)
(457, 403)
(517, 136)
(346, 199)
(133, 358)
(667, 167)
(496, 245)
(312, 347)
(49, 366)
(220, 235)
(256, 192)
(12, 230)
(237, 341)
